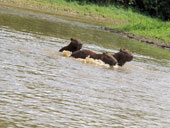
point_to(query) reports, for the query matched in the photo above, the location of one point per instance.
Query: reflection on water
(24, 20)
(40, 87)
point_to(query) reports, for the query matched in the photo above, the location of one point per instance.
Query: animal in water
(105, 57)
(74, 45)
(119, 58)
(123, 56)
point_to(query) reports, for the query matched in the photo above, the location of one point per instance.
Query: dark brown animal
(123, 56)
(74, 45)
(105, 57)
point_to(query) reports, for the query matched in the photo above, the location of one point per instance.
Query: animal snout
(130, 58)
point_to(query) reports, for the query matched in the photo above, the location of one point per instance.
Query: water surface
(39, 87)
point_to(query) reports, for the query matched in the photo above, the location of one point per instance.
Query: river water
(40, 87)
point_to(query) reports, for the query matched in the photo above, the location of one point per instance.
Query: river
(40, 87)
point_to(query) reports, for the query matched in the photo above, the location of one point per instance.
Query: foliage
(158, 8)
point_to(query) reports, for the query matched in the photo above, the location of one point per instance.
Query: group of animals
(119, 58)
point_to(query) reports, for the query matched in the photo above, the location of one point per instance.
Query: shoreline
(90, 19)
(138, 38)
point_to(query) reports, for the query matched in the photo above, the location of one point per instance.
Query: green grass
(147, 27)
(111, 16)
(122, 19)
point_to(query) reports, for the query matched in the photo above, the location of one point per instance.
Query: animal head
(74, 45)
(123, 56)
(108, 59)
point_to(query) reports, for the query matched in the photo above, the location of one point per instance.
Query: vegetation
(125, 19)
(158, 8)
(129, 20)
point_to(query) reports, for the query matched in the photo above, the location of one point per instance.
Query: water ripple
(42, 88)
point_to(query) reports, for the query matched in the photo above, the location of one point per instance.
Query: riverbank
(118, 20)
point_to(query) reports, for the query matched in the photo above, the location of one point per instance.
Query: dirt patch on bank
(159, 43)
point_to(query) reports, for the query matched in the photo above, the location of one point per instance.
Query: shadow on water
(51, 25)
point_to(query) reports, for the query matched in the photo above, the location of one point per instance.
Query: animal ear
(71, 39)
(121, 50)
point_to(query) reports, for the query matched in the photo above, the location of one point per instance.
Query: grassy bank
(119, 18)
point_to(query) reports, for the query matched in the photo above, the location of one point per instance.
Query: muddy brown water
(40, 87)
